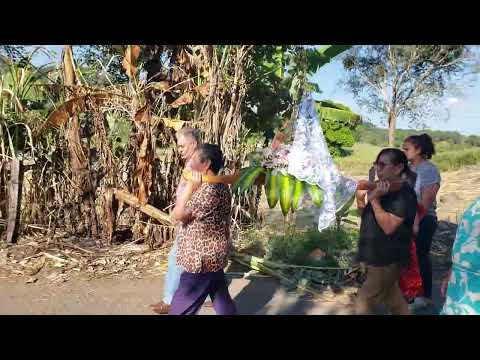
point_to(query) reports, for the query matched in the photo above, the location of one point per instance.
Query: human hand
(416, 228)
(372, 173)
(260, 180)
(380, 190)
(360, 196)
(196, 180)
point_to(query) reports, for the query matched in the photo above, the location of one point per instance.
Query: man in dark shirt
(385, 234)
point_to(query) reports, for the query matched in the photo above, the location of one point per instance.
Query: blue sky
(464, 106)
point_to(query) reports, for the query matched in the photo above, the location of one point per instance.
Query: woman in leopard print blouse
(203, 243)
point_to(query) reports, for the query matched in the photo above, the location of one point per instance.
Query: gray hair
(190, 132)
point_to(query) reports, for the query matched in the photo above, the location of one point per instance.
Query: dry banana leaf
(184, 60)
(143, 169)
(143, 114)
(203, 89)
(174, 123)
(186, 98)
(68, 66)
(72, 107)
(160, 85)
(129, 61)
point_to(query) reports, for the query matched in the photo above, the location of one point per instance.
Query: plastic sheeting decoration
(309, 160)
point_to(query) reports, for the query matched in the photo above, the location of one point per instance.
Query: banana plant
(280, 187)
(283, 188)
(20, 102)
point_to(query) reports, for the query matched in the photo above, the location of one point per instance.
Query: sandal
(161, 308)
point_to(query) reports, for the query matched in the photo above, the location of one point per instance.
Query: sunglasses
(380, 164)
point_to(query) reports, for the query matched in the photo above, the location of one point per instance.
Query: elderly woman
(463, 279)
(188, 140)
(204, 242)
(385, 234)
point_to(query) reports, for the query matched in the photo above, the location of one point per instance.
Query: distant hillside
(371, 134)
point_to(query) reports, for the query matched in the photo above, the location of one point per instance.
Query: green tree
(277, 76)
(338, 124)
(402, 81)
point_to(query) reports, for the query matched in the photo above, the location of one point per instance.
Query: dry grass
(447, 159)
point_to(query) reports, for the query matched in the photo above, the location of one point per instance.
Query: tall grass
(359, 161)
(454, 160)
(448, 158)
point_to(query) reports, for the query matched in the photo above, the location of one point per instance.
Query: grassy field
(447, 159)
(361, 159)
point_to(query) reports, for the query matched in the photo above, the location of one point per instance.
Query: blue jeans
(427, 228)
(174, 272)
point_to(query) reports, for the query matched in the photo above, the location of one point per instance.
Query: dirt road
(257, 295)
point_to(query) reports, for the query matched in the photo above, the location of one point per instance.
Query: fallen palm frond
(270, 268)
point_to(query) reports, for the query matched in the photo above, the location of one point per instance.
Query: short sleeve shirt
(183, 182)
(379, 249)
(204, 243)
(427, 174)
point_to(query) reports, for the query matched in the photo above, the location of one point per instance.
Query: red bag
(410, 280)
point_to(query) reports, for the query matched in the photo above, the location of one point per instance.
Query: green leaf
(324, 55)
(313, 87)
(330, 51)
(349, 222)
(346, 206)
(338, 115)
(334, 105)
(354, 213)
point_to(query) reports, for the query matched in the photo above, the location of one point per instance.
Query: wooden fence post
(14, 199)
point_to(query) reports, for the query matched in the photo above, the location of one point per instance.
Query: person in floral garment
(463, 279)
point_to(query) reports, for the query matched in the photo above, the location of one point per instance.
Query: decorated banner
(297, 166)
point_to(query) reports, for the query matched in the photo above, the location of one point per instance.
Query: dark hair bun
(425, 143)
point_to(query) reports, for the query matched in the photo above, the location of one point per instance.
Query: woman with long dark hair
(419, 149)
(385, 234)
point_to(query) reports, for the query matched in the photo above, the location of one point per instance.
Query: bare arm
(445, 281)
(429, 193)
(180, 211)
(360, 195)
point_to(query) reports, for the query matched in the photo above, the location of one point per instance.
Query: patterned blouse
(203, 243)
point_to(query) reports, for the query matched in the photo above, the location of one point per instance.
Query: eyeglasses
(380, 164)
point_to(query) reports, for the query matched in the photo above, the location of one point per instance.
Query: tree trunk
(392, 123)
(83, 188)
(132, 200)
(78, 160)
